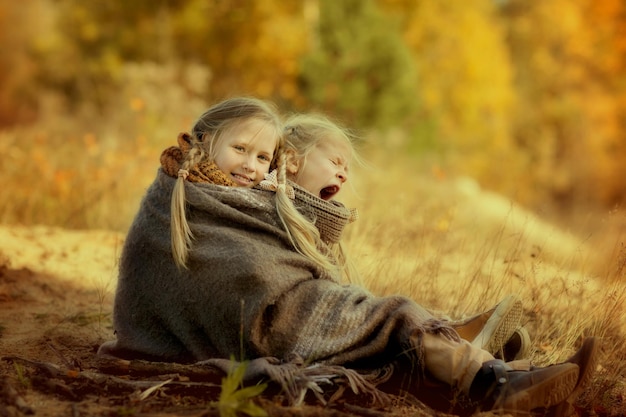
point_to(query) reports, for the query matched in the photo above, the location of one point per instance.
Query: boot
(517, 347)
(587, 359)
(498, 388)
(498, 330)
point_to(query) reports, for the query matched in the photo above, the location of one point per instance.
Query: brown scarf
(205, 171)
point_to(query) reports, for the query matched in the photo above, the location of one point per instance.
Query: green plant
(235, 398)
(23, 380)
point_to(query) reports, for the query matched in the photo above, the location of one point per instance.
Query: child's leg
(454, 363)
(490, 383)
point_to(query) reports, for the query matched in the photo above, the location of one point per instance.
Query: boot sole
(587, 365)
(555, 387)
(500, 326)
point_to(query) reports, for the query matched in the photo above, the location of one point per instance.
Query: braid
(181, 234)
(195, 155)
(302, 233)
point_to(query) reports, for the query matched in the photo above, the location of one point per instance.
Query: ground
(56, 291)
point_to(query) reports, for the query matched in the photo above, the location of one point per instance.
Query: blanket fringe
(296, 379)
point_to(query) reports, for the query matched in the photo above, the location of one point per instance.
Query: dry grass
(443, 241)
(458, 250)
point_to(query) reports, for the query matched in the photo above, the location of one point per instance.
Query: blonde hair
(303, 132)
(206, 135)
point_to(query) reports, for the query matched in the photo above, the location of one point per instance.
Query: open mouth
(328, 192)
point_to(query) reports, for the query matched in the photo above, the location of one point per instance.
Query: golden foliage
(569, 113)
(526, 97)
(465, 78)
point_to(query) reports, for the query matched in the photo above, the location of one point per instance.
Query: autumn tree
(84, 46)
(248, 47)
(570, 83)
(604, 99)
(358, 66)
(465, 82)
(251, 47)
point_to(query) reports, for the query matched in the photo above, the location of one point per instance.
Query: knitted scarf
(206, 171)
(330, 217)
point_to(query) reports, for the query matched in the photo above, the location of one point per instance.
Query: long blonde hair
(206, 135)
(303, 132)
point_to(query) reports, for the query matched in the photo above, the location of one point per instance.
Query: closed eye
(340, 162)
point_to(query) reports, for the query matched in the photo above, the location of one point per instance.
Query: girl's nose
(342, 175)
(249, 164)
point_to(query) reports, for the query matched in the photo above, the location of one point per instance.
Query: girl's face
(324, 170)
(245, 152)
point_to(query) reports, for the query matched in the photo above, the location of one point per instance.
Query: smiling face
(324, 169)
(244, 152)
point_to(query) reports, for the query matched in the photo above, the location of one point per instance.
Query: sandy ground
(55, 303)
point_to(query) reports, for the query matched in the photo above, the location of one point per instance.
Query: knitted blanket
(246, 292)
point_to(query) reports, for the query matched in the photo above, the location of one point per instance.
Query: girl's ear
(293, 162)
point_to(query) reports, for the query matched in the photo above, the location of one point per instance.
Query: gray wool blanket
(246, 293)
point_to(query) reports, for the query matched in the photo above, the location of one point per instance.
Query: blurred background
(525, 97)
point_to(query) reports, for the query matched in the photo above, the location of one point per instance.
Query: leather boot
(500, 389)
(587, 360)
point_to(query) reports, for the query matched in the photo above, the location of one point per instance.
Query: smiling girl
(233, 143)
